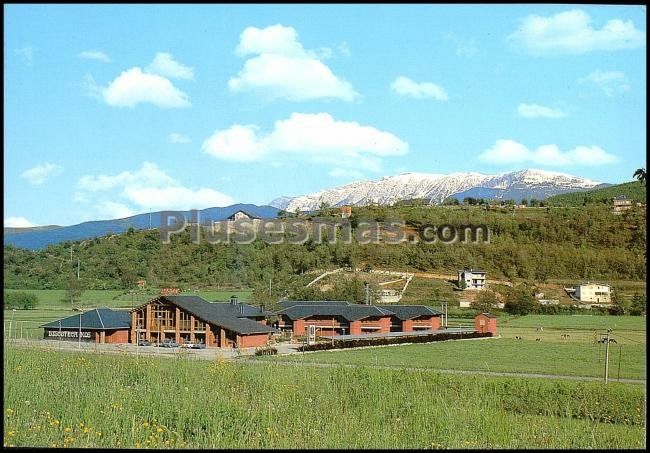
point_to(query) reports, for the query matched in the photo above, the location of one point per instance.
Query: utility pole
(607, 354)
(78, 263)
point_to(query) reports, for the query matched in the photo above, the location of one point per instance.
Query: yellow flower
(67, 429)
(145, 424)
(159, 430)
(10, 411)
(87, 430)
(137, 445)
(98, 433)
(11, 433)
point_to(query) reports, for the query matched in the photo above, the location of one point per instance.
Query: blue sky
(112, 110)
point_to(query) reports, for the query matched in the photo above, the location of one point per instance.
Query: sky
(114, 110)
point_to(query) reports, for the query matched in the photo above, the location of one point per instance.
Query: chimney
(241, 309)
(233, 300)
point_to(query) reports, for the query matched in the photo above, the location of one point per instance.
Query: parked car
(169, 344)
(193, 345)
(144, 343)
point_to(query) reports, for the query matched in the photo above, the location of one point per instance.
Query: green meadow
(61, 399)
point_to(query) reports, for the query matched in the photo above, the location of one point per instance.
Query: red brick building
(343, 318)
(485, 322)
(193, 319)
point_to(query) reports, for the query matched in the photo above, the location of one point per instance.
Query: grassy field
(58, 399)
(575, 355)
(502, 355)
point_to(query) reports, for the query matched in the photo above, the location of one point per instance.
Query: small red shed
(485, 322)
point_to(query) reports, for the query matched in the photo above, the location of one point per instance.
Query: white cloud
(505, 152)
(610, 82)
(239, 143)
(148, 188)
(571, 32)
(165, 65)
(314, 137)
(95, 55)
(282, 68)
(407, 87)
(41, 173)
(18, 222)
(176, 137)
(539, 111)
(114, 210)
(133, 87)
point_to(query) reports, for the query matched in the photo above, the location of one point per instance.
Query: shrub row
(344, 344)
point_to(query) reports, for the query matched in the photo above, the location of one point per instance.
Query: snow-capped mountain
(435, 188)
(281, 202)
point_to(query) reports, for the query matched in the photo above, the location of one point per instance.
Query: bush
(344, 344)
(266, 351)
(20, 300)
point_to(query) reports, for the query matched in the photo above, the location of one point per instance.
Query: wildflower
(67, 429)
(10, 411)
(53, 445)
(159, 430)
(145, 424)
(11, 433)
(137, 445)
(99, 434)
(87, 430)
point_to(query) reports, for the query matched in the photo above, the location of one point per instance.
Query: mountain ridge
(435, 187)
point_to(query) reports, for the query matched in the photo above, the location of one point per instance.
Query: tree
(519, 301)
(73, 290)
(20, 300)
(640, 175)
(485, 301)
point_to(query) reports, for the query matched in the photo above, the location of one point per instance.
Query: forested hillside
(532, 244)
(633, 190)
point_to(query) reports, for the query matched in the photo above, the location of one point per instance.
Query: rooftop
(97, 319)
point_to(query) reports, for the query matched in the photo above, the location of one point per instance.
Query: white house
(594, 292)
(472, 279)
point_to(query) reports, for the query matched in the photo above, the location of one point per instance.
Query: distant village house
(471, 279)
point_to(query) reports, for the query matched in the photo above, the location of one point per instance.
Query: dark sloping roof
(240, 310)
(351, 312)
(289, 303)
(404, 312)
(216, 314)
(97, 319)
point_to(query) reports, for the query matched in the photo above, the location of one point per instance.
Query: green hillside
(525, 245)
(633, 190)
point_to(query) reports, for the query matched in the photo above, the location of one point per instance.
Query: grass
(56, 399)
(577, 355)
(501, 355)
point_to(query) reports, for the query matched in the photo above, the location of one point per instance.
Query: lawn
(63, 399)
(502, 355)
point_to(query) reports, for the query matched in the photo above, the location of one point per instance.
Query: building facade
(331, 318)
(471, 279)
(192, 319)
(485, 322)
(599, 293)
